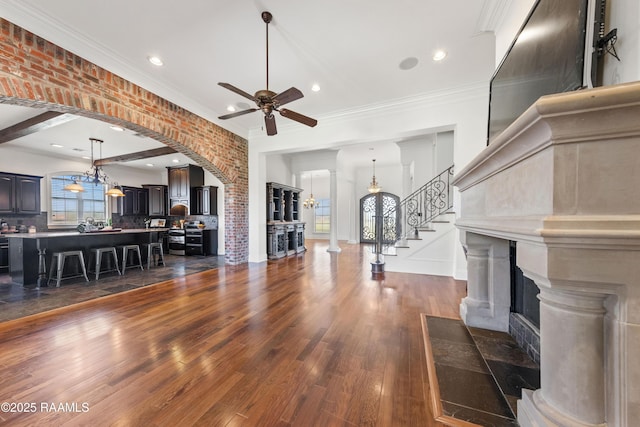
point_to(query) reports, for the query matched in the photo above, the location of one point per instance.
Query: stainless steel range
(177, 242)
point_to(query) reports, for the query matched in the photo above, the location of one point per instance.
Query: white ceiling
(352, 49)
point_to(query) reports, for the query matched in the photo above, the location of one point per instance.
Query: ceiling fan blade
(238, 113)
(287, 96)
(270, 123)
(232, 88)
(298, 117)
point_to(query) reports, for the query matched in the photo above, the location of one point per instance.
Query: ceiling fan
(269, 101)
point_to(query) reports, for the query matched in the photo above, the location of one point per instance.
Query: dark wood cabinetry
(135, 201)
(181, 180)
(201, 242)
(204, 200)
(158, 202)
(19, 194)
(285, 232)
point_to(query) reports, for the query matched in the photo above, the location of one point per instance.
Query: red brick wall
(37, 73)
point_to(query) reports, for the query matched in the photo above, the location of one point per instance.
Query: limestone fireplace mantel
(563, 181)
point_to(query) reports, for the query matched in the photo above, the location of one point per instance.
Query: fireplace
(532, 204)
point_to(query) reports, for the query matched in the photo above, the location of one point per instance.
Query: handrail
(419, 208)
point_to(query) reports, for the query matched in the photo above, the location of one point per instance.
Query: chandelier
(309, 202)
(373, 186)
(95, 175)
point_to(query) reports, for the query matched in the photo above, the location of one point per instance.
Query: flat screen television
(553, 52)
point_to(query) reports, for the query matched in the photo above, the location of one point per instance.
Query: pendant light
(373, 186)
(115, 191)
(95, 175)
(310, 202)
(74, 187)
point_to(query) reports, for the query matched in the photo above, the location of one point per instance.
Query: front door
(379, 213)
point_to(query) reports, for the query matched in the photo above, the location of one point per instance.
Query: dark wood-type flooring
(311, 340)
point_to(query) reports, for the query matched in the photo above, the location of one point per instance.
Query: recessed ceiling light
(150, 165)
(231, 108)
(117, 128)
(156, 61)
(408, 63)
(175, 161)
(315, 87)
(57, 145)
(439, 55)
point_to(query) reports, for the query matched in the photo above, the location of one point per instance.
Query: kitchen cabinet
(19, 194)
(158, 201)
(135, 201)
(4, 253)
(205, 200)
(181, 180)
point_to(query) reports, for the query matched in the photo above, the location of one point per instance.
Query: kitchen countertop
(54, 234)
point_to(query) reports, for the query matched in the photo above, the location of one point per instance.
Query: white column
(487, 303)
(353, 212)
(572, 365)
(333, 197)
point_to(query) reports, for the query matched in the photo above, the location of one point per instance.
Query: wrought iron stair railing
(416, 211)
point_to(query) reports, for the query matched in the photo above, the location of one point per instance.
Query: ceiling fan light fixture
(315, 87)
(268, 101)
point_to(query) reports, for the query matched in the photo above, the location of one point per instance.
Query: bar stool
(97, 258)
(58, 260)
(125, 256)
(152, 249)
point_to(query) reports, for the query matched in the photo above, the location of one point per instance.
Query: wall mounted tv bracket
(607, 44)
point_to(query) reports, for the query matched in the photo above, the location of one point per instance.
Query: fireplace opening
(524, 319)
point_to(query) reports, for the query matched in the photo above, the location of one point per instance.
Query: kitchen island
(30, 253)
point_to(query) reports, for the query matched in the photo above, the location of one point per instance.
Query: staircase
(424, 241)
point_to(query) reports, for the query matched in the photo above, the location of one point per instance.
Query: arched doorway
(379, 212)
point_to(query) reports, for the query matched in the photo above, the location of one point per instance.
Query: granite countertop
(54, 234)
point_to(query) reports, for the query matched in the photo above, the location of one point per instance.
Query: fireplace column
(487, 302)
(572, 361)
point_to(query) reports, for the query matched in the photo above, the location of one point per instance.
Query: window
(322, 214)
(69, 209)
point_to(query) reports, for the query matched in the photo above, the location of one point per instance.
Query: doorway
(379, 213)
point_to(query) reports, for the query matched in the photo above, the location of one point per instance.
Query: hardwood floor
(309, 341)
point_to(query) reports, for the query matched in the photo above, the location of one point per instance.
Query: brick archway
(39, 74)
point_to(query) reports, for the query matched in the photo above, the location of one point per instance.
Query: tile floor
(480, 373)
(17, 301)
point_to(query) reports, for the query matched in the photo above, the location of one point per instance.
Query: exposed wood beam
(136, 156)
(35, 124)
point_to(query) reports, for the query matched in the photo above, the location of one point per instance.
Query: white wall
(279, 169)
(625, 16)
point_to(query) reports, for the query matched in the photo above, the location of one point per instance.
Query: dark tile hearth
(19, 301)
(480, 373)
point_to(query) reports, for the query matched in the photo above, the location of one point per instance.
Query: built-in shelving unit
(285, 232)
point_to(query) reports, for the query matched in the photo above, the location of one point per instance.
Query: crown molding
(492, 14)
